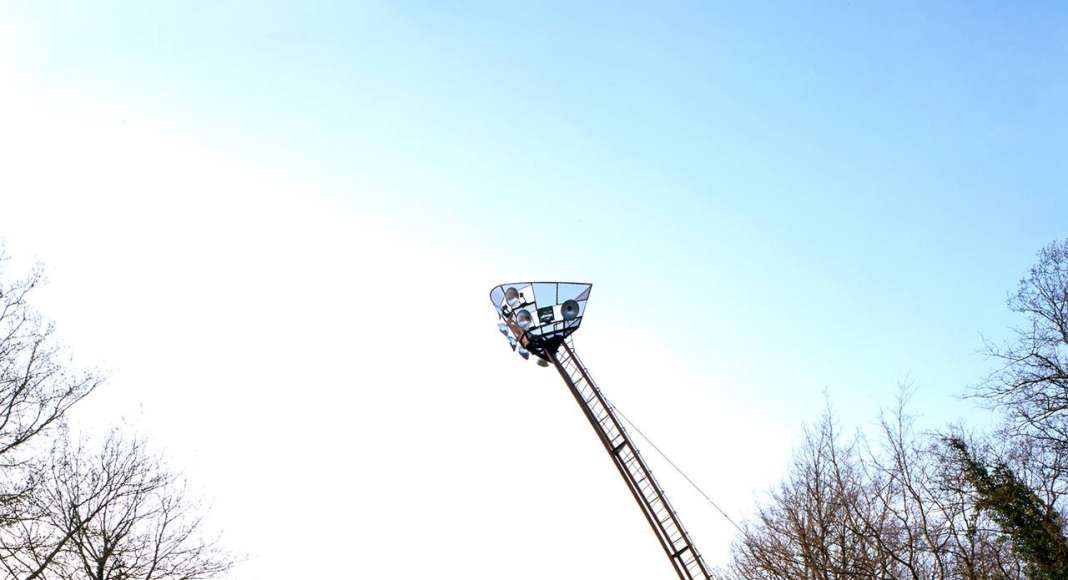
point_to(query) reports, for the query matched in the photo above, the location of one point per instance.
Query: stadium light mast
(538, 318)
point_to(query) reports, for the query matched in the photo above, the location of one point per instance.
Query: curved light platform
(541, 314)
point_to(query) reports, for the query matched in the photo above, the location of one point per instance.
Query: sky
(275, 228)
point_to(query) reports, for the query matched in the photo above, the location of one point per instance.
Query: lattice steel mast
(538, 318)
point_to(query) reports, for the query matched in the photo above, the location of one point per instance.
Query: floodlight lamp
(511, 296)
(570, 309)
(503, 328)
(523, 319)
(512, 342)
(524, 353)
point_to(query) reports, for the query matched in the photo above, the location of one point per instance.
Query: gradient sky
(276, 227)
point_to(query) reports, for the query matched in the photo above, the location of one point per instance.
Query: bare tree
(115, 514)
(926, 506)
(1031, 385)
(37, 386)
(810, 529)
(898, 508)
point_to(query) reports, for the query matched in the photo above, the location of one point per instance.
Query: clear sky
(276, 227)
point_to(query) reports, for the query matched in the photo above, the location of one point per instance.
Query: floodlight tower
(538, 318)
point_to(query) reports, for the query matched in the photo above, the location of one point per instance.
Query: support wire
(680, 472)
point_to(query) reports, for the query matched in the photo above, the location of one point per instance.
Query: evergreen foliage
(1033, 526)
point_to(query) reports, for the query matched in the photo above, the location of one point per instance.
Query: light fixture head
(523, 353)
(503, 328)
(540, 314)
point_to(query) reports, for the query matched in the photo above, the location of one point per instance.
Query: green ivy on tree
(1034, 528)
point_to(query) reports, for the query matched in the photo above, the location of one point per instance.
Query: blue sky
(772, 200)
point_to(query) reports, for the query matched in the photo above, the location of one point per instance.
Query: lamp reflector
(523, 319)
(569, 309)
(511, 296)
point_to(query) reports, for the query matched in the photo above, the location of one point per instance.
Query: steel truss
(643, 486)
